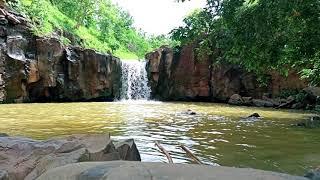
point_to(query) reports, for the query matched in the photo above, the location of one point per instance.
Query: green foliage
(96, 24)
(260, 35)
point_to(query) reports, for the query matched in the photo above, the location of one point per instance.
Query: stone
(4, 175)
(262, 103)
(298, 106)
(3, 21)
(313, 174)
(27, 159)
(119, 170)
(236, 99)
(310, 123)
(247, 101)
(12, 19)
(3, 135)
(255, 115)
(3, 31)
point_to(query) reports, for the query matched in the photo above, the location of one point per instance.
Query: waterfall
(134, 81)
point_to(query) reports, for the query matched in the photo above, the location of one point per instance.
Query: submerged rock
(27, 159)
(312, 122)
(256, 115)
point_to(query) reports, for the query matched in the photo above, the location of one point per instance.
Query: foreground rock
(38, 69)
(23, 158)
(145, 171)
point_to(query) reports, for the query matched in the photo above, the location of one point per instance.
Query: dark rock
(247, 101)
(236, 99)
(313, 174)
(298, 106)
(3, 135)
(262, 103)
(128, 150)
(3, 31)
(311, 123)
(3, 21)
(256, 115)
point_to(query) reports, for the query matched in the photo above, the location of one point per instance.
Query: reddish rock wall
(184, 76)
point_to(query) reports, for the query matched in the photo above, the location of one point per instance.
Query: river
(218, 134)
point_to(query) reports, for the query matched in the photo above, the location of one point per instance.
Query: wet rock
(254, 115)
(247, 101)
(313, 174)
(311, 123)
(3, 135)
(25, 158)
(236, 99)
(262, 103)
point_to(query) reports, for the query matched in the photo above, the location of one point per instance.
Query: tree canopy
(97, 24)
(260, 35)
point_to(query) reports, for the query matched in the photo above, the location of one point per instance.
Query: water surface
(218, 134)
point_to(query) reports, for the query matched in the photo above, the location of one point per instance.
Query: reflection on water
(216, 134)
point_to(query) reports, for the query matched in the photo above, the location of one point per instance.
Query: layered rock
(23, 158)
(40, 69)
(185, 76)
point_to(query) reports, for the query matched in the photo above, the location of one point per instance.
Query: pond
(217, 134)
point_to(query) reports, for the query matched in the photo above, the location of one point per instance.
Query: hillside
(98, 25)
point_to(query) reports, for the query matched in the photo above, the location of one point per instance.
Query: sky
(158, 16)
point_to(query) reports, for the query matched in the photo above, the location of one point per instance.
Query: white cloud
(158, 16)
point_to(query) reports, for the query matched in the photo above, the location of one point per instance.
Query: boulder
(27, 159)
(120, 170)
(236, 99)
(254, 115)
(262, 103)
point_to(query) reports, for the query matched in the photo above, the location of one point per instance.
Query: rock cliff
(37, 69)
(184, 76)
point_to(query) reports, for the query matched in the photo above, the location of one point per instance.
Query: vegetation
(96, 24)
(260, 35)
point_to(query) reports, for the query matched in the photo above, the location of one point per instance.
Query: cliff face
(36, 69)
(187, 77)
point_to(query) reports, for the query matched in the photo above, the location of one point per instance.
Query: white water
(134, 81)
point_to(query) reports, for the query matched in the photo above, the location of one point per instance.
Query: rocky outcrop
(120, 170)
(36, 69)
(185, 76)
(23, 158)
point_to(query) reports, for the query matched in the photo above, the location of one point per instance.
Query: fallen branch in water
(165, 152)
(191, 155)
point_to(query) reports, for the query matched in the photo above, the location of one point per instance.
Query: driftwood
(164, 151)
(191, 155)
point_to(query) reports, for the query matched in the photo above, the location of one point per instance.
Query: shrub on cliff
(96, 24)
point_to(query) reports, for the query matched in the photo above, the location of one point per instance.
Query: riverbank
(23, 158)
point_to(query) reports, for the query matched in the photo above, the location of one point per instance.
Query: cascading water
(134, 81)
